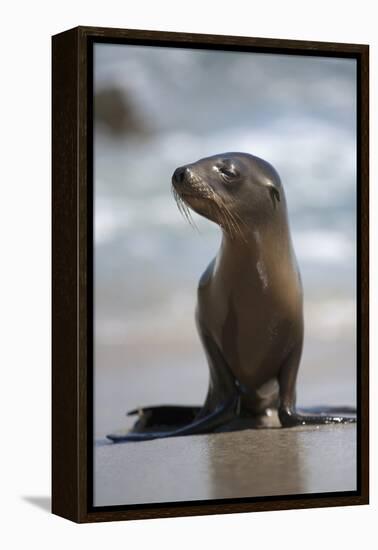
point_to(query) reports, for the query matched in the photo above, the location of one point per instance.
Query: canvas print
(224, 207)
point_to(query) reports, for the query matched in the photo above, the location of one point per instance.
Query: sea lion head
(231, 189)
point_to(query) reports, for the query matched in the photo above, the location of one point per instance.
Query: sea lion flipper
(291, 417)
(167, 414)
(343, 410)
(205, 424)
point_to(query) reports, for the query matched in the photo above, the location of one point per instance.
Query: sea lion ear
(275, 194)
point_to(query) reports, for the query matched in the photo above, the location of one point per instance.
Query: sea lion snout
(180, 175)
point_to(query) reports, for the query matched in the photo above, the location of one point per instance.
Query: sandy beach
(240, 464)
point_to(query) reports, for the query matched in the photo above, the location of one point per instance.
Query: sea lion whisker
(234, 222)
(241, 222)
(238, 221)
(226, 218)
(221, 204)
(184, 209)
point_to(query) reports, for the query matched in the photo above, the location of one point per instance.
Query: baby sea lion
(249, 311)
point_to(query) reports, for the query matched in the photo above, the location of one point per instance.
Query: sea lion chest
(249, 313)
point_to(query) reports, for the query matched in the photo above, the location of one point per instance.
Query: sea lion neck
(257, 236)
(270, 244)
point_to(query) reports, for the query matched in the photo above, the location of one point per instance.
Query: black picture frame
(72, 273)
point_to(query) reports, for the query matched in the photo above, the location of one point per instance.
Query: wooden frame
(72, 273)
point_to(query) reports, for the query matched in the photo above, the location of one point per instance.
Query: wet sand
(227, 465)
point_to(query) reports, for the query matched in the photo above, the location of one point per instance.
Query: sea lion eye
(228, 172)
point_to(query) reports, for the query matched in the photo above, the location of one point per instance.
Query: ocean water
(159, 108)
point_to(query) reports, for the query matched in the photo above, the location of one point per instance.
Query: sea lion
(249, 311)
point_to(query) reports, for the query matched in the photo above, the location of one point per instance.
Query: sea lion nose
(180, 174)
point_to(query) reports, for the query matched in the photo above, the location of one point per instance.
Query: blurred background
(158, 108)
